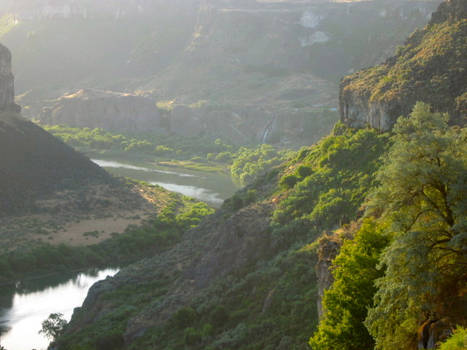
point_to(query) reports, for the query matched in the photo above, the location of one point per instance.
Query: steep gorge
(244, 279)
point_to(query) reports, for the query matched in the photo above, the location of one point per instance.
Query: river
(24, 307)
(210, 187)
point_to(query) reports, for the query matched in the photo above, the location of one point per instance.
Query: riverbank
(212, 187)
(24, 307)
(161, 228)
(243, 164)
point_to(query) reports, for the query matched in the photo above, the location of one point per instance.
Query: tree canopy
(422, 197)
(346, 302)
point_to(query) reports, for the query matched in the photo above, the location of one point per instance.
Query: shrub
(289, 181)
(219, 316)
(224, 157)
(304, 171)
(191, 336)
(458, 341)
(184, 317)
(112, 341)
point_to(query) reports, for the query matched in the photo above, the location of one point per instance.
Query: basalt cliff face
(430, 67)
(103, 109)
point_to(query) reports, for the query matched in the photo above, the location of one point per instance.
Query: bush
(249, 163)
(224, 157)
(289, 181)
(112, 341)
(184, 317)
(458, 341)
(191, 336)
(304, 171)
(219, 316)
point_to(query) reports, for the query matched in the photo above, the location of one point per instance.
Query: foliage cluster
(53, 326)
(417, 214)
(327, 184)
(100, 140)
(269, 304)
(249, 164)
(458, 341)
(346, 302)
(423, 199)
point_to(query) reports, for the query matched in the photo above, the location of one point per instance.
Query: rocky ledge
(430, 67)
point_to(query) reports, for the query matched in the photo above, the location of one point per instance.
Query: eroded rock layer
(430, 67)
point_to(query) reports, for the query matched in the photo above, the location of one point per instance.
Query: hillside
(244, 278)
(253, 275)
(429, 67)
(234, 69)
(34, 162)
(60, 210)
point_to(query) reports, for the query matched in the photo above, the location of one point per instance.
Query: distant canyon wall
(87, 9)
(124, 112)
(103, 109)
(261, 71)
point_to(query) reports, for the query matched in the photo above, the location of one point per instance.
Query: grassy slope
(430, 67)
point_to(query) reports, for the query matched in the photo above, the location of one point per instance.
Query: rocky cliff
(7, 85)
(430, 67)
(329, 246)
(104, 109)
(130, 113)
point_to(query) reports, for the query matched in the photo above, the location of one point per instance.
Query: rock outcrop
(124, 112)
(105, 109)
(7, 85)
(328, 249)
(430, 67)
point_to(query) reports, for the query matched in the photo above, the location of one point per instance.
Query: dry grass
(82, 217)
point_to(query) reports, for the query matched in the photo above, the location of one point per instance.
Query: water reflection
(112, 164)
(22, 310)
(209, 187)
(192, 191)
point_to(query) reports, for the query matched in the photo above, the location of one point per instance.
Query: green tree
(347, 301)
(422, 196)
(53, 326)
